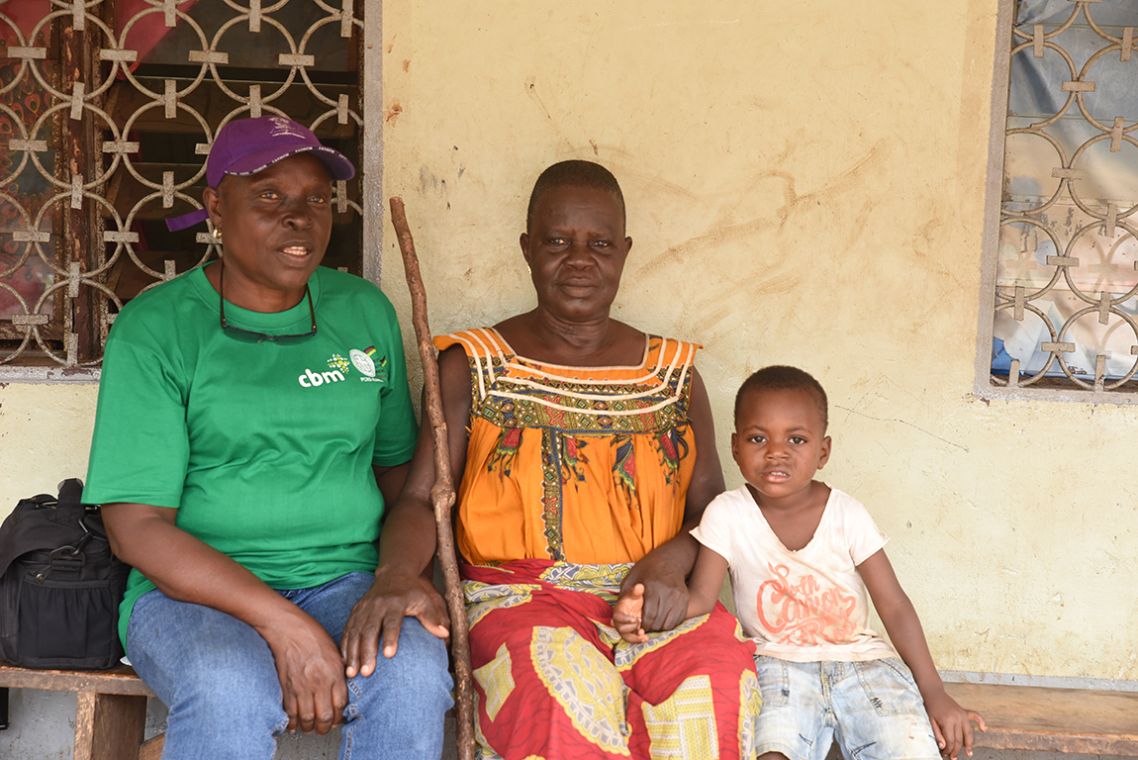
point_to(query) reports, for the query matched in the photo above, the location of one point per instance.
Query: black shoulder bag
(60, 586)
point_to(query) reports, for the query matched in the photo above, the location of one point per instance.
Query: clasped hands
(651, 599)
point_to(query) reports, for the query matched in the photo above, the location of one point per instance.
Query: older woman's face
(576, 248)
(275, 227)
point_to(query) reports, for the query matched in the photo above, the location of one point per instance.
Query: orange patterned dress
(572, 474)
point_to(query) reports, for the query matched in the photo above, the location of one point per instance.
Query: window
(1064, 317)
(107, 110)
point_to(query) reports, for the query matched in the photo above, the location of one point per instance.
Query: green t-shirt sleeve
(396, 431)
(140, 447)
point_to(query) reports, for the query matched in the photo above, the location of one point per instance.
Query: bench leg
(108, 726)
(151, 749)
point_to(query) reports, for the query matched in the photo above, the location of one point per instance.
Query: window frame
(983, 386)
(372, 209)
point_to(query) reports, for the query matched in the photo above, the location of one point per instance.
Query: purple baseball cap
(247, 146)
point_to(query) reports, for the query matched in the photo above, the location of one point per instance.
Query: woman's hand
(309, 667)
(952, 724)
(380, 613)
(314, 693)
(627, 614)
(665, 589)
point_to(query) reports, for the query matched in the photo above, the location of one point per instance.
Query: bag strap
(71, 491)
(37, 501)
(19, 533)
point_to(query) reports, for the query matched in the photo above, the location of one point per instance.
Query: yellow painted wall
(805, 185)
(45, 434)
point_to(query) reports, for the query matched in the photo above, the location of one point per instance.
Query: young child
(802, 556)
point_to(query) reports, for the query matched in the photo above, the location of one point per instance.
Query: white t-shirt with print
(807, 605)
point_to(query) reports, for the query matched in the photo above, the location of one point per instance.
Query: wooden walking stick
(442, 493)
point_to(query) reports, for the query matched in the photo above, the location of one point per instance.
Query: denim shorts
(872, 709)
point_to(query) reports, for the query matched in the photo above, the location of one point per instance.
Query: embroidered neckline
(505, 344)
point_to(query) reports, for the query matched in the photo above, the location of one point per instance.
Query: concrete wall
(804, 183)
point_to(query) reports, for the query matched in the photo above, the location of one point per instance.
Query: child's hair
(783, 378)
(575, 173)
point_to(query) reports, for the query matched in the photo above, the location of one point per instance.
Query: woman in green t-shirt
(253, 419)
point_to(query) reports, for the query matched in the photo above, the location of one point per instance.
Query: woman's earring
(217, 235)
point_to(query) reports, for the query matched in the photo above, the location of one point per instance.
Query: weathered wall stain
(535, 96)
(723, 234)
(907, 423)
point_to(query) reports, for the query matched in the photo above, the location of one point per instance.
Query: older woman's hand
(626, 615)
(665, 589)
(380, 613)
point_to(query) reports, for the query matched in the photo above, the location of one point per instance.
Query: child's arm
(703, 592)
(952, 724)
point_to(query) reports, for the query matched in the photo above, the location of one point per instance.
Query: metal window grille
(1063, 252)
(107, 111)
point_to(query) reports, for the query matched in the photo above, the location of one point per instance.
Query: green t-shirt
(264, 447)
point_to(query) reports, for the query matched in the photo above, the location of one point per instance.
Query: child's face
(779, 441)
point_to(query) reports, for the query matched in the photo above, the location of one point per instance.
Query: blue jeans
(873, 709)
(217, 676)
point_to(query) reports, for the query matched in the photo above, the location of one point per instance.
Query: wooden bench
(110, 715)
(1044, 719)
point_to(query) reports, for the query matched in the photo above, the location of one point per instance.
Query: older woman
(586, 451)
(242, 409)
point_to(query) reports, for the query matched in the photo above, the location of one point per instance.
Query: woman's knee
(256, 707)
(206, 664)
(227, 712)
(419, 671)
(398, 710)
(235, 689)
